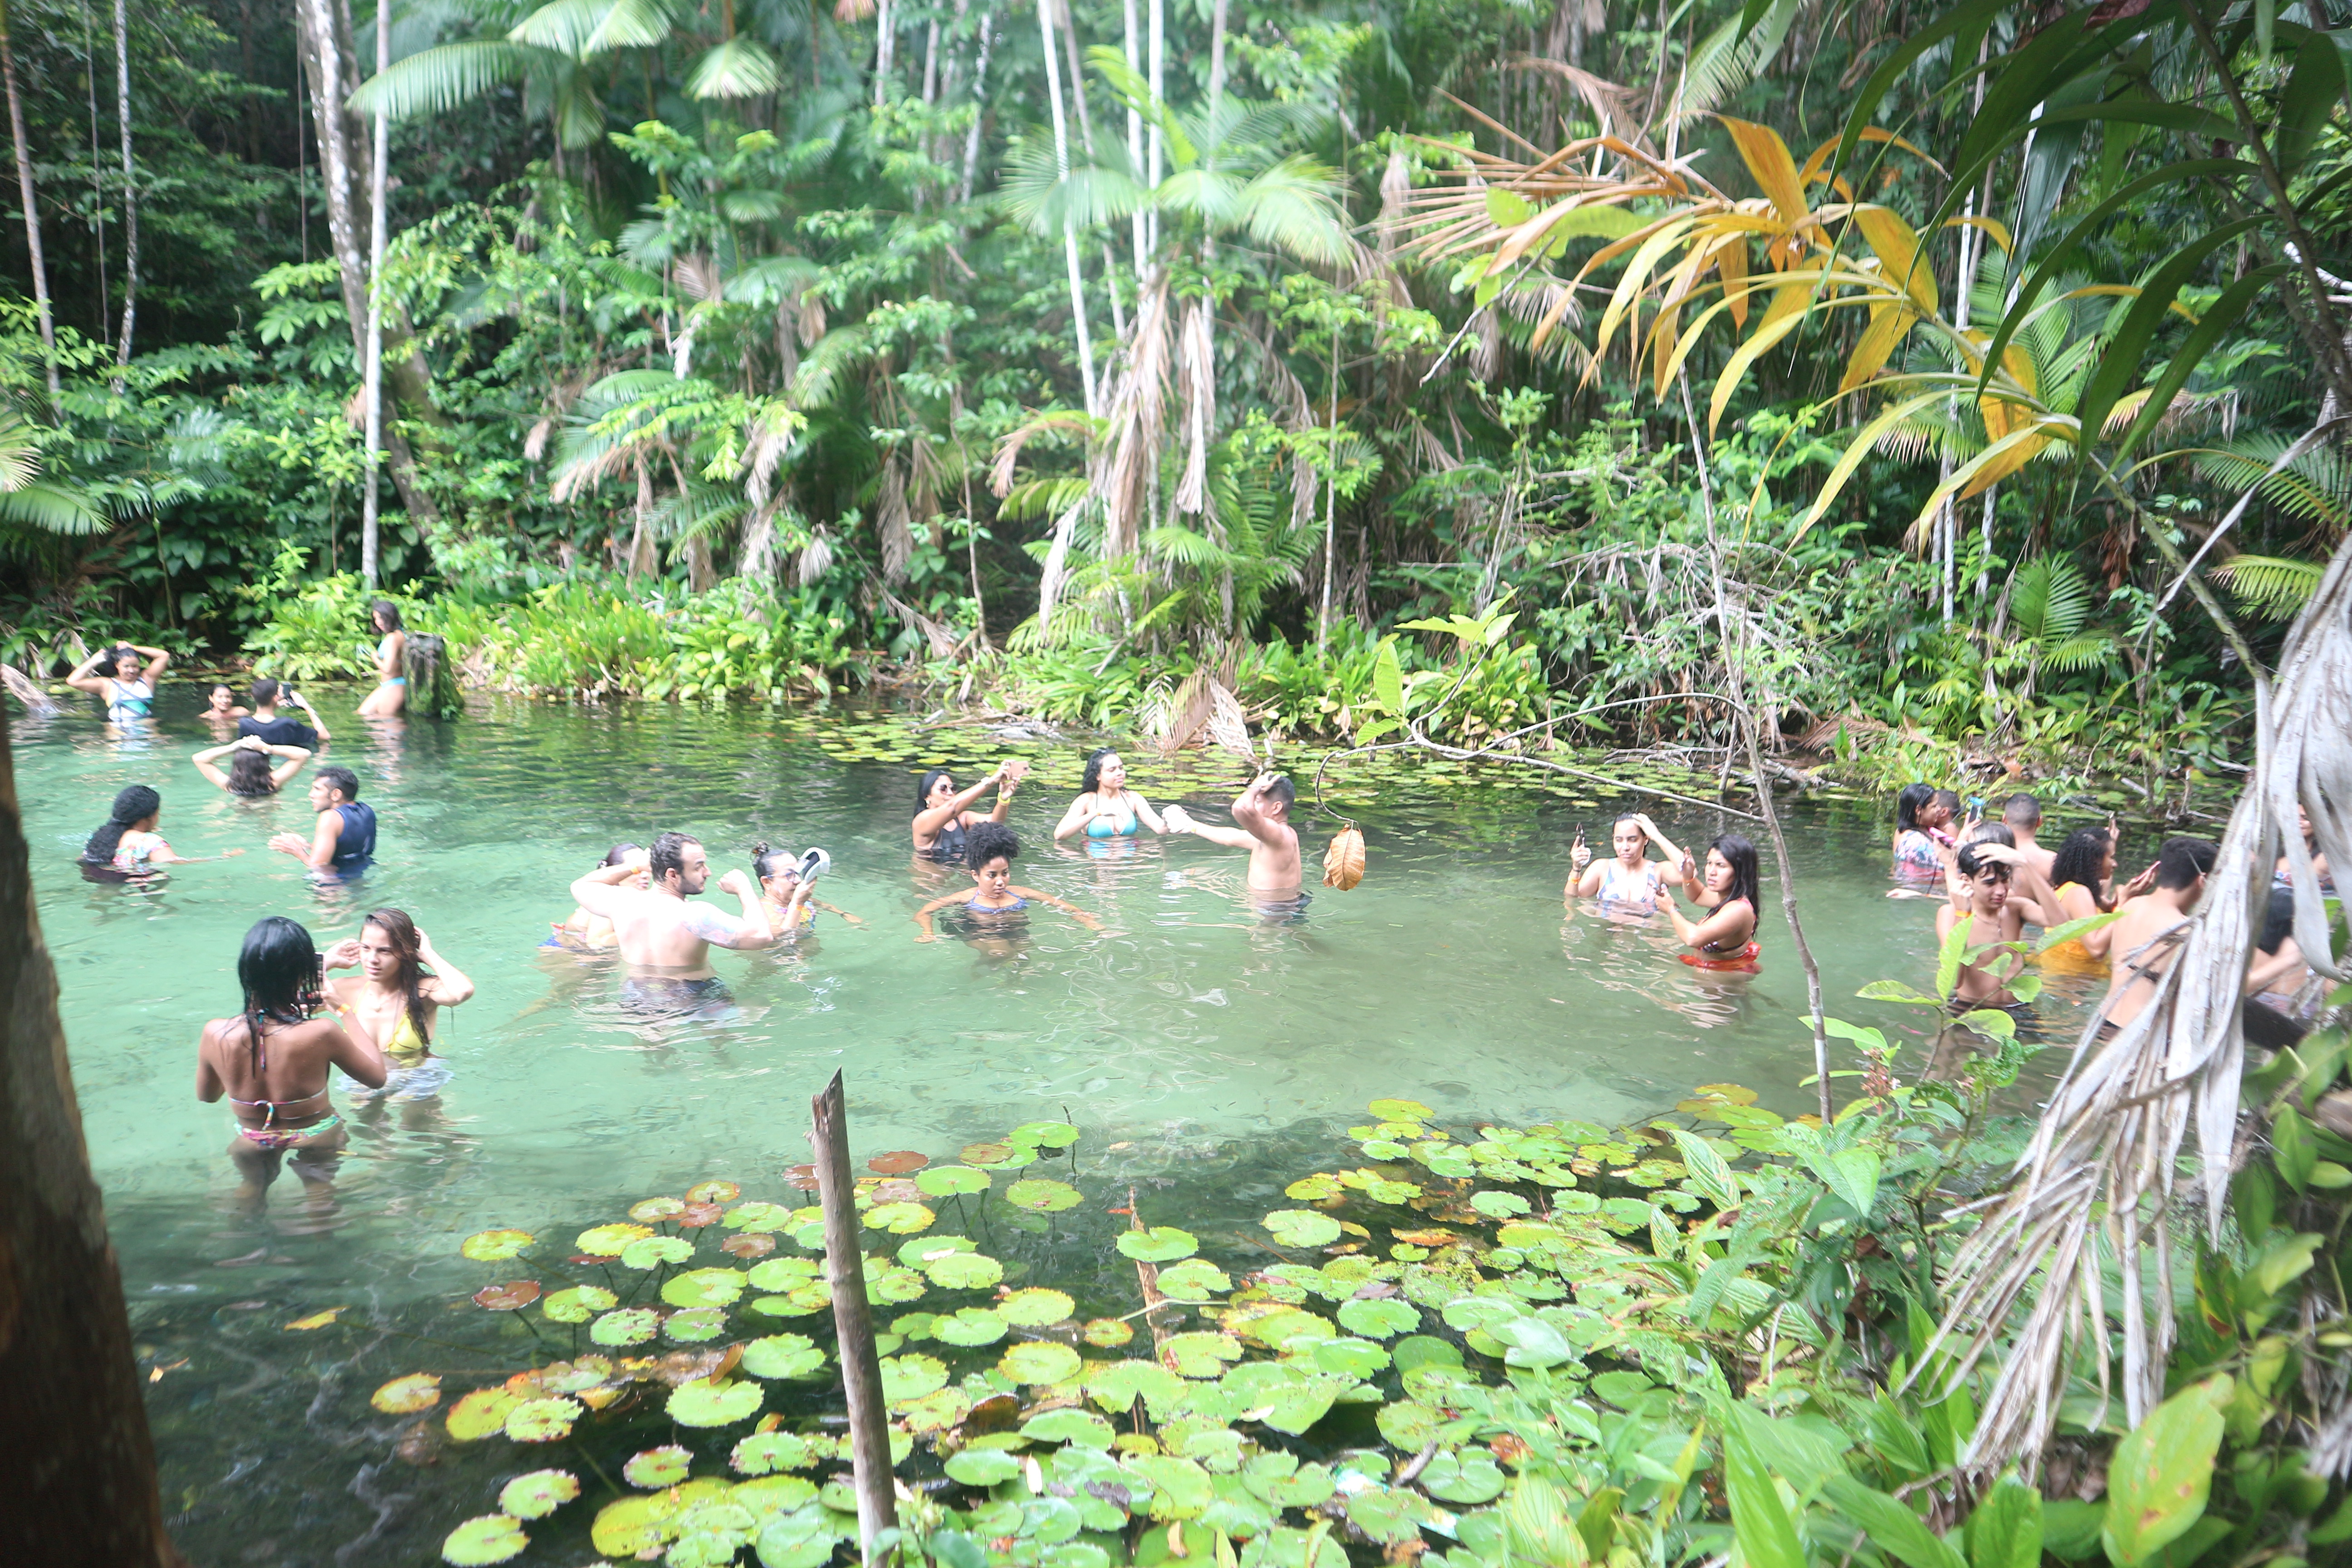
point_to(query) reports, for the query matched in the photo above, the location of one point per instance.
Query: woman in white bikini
(1631, 882)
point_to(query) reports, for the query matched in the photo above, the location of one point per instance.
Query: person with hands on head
(664, 941)
(988, 857)
(255, 767)
(585, 932)
(1107, 808)
(1725, 939)
(344, 839)
(1631, 881)
(1995, 913)
(128, 686)
(1262, 827)
(271, 1061)
(395, 1001)
(941, 813)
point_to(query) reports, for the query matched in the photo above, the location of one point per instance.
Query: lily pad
(608, 1240)
(1407, 1426)
(544, 1420)
(694, 1216)
(478, 1542)
(895, 1287)
(1107, 1333)
(759, 1216)
(578, 1304)
(1401, 1110)
(1161, 1244)
(936, 1411)
(1464, 1478)
(1043, 1196)
(538, 1493)
(1302, 1227)
(407, 1395)
(1388, 1518)
(511, 1296)
(1181, 1489)
(912, 1377)
(705, 1404)
(1321, 1187)
(495, 1245)
(629, 1326)
(783, 1356)
(1194, 1279)
(970, 1326)
(945, 1181)
(982, 1466)
(650, 1252)
(696, 1325)
(964, 1271)
(1497, 1204)
(987, 1153)
(703, 1287)
(763, 1453)
(656, 1469)
(900, 1219)
(783, 1273)
(897, 1163)
(1043, 1135)
(481, 1413)
(748, 1245)
(1378, 1320)
(1350, 1358)
(1201, 1355)
(652, 1210)
(713, 1193)
(1078, 1428)
(1040, 1362)
(1035, 1307)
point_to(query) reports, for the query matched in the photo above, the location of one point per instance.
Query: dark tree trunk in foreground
(82, 1467)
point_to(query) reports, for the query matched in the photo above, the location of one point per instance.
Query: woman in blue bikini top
(1107, 809)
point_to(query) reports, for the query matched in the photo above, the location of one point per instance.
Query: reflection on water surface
(1205, 1051)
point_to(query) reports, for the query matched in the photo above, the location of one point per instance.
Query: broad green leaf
(1891, 1525)
(1767, 1536)
(2160, 1474)
(1707, 1171)
(2005, 1530)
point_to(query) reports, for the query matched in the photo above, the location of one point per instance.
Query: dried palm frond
(1196, 383)
(1124, 462)
(35, 699)
(698, 278)
(816, 557)
(2111, 1135)
(890, 527)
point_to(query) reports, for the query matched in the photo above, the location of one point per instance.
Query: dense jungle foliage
(1047, 357)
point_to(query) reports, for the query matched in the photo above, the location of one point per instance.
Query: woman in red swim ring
(1725, 939)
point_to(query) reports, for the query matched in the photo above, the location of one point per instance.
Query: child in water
(1996, 914)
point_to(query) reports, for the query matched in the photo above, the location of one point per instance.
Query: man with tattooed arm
(665, 939)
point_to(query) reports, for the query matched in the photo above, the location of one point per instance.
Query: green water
(1202, 1050)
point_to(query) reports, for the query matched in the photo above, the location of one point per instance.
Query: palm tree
(29, 503)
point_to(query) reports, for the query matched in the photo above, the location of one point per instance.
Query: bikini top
(129, 699)
(1112, 828)
(1615, 880)
(270, 1108)
(949, 844)
(976, 907)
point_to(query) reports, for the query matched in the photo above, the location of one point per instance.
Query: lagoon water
(1194, 1043)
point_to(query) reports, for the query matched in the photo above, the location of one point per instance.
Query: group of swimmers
(1629, 885)
(1996, 875)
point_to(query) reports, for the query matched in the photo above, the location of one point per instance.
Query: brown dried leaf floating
(897, 1163)
(511, 1296)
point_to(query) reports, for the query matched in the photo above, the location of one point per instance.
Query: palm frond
(740, 67)
(438, 79)
(2048, 599)
(52, 508)
(2314, 487)
(2272, 585)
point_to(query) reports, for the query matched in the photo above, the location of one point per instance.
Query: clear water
(1194, 1041)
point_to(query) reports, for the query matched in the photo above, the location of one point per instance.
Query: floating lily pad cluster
(1334, 1376)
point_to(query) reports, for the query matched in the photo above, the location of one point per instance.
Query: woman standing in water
(994, 899)
(128, 687)
(395, 1001)
(391, 694)
(251, 770)
(1107, 808)
(1632, 882)
(941, 818)
(271, 1062)
(1725, 939)
(1917, 817)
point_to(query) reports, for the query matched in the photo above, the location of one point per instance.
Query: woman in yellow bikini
(395, 1003)
(271, 1062)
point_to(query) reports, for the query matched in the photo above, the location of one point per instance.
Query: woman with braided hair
(126, 844)
(395, 1001)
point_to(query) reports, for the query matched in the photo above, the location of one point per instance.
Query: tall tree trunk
(979, 107)
(1135, 145)
(1069, 229)
(369, 533)
(324, 34)
(130, 185)
(24, 193)
(882, 24)
(1159, 62)
(85, 1493)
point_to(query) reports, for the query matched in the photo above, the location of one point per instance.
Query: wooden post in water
(853, 1322)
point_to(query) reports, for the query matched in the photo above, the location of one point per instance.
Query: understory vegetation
(1046, 361)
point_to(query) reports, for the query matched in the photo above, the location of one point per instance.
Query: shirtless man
(2181, 870)
(2022, 813)
(1262, 827)
(664, 941)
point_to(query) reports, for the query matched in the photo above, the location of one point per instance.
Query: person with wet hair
(266, 725)
(2139, 944)
(271, 1062)
(391, 694)
(1996, 912)
(255, 766)
(1729, 890)
(2021, 815)
(1917, 856)
(344, 840)
(2084, 870)
(665, 939)
(127, 845)
(396, 1001)
(989, 853)
(1630, 881)
(584, 933)
(222, 710)
(1106, 808)
(1262, 827)
(125, 676)
(942, 816)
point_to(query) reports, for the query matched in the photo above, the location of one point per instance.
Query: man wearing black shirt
(265, 721)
